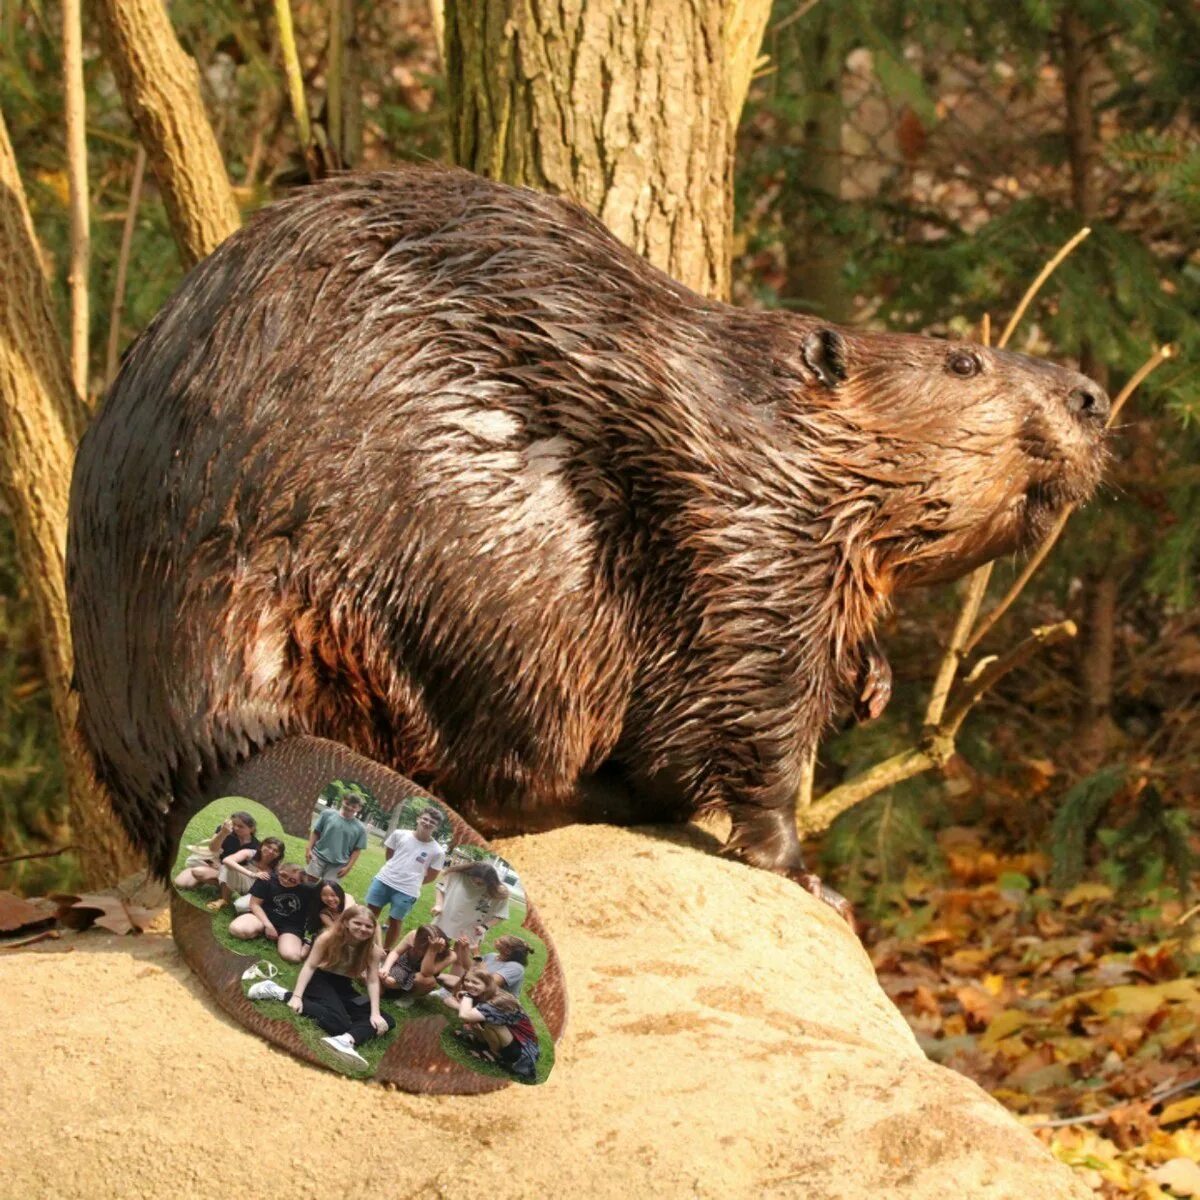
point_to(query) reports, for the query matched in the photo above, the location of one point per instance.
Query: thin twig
(37, 937)
(118, 302)
(937, 748)
(976, 587)
(295, 80)
(1164, 1091)
(1036, 286)
(972, 601)
(76, 122)
(333, 86)
(39, 854)
(801, 10)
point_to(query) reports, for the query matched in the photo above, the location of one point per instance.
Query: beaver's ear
(824, 353)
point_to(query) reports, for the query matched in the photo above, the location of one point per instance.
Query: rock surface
(726, 1038)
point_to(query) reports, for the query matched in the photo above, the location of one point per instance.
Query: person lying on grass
(278, 907)
(411, 969)
(329, 901)
(506, 962)
(235, 833)
(243, 868)
(325, 990)
(496, 1027)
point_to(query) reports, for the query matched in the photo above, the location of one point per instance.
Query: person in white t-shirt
(413, 860)
(471, 899)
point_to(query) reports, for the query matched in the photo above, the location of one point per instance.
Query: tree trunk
(629, 109)
(1093, 722)
(814, 256)
(39, 414)
(160, 86)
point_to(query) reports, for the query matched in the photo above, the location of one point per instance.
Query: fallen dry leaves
(1075, 1012)
(131, 907)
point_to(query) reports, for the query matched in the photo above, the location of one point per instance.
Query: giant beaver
(440, 470)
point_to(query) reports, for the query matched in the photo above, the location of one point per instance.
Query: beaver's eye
(964, 363)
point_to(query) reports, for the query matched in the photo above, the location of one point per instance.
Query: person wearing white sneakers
(325, 990)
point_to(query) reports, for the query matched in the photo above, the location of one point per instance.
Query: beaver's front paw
(873, 684)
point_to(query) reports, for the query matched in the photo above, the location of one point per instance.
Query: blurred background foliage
(907, 166)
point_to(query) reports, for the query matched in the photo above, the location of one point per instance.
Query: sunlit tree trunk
(39, 414)
(627, 108)
(160, 86)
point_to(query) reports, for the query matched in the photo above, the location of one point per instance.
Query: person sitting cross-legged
(278, 909)
(411, 969)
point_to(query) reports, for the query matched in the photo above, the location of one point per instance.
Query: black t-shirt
(285, 907)
(231, 845)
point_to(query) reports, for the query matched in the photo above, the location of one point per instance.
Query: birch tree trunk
(627, 108)
(160, 86)
(40, 413)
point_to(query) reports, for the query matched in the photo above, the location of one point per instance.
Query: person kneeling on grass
(325, 991)
(243, 868)
(278, 907)
(493, 1021)
(411, 969)
(506, 962)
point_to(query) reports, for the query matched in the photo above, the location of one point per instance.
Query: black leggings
(334, 1003)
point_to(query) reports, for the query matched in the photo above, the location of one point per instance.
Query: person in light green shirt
(337, 839)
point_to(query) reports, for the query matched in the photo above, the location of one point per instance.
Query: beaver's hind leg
(766, 837)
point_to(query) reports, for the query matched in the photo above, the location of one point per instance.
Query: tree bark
(160, 86)
(39, 415)
(628, 109)
(1093, 722)
(815, 258)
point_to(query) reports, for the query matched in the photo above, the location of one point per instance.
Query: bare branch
(75, 106)
(1036, 286)
(937, 748)
(295, 82)
(957, 647)
(118, 303)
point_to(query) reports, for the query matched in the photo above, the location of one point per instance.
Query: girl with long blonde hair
(347, 952)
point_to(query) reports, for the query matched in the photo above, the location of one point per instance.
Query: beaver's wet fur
(440, 470)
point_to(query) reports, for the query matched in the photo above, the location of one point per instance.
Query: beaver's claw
(812, 884)
(874, 684)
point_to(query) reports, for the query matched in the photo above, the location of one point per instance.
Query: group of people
(313, 921)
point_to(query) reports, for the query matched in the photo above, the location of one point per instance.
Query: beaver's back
(360, 478)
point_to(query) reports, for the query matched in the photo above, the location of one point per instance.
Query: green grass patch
(200, 829)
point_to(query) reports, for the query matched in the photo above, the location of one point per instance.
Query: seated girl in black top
(278, 909)
(325, 990)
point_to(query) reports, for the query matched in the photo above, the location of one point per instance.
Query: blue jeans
(380, 894)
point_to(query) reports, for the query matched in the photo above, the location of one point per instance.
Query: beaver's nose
(1089, 401)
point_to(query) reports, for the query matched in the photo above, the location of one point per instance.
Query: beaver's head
(952, 453)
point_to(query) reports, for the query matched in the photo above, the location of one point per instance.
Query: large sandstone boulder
(726, 1038)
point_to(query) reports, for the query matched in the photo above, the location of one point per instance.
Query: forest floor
(1077, 1011)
